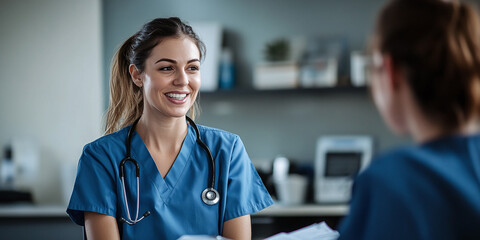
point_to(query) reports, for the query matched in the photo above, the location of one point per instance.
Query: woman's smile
(177, 97)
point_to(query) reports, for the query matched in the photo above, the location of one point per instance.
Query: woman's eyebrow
(193, 60)
(166, 60)
(173, 61)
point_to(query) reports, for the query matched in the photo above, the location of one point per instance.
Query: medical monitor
(342, 164)
(338, 160)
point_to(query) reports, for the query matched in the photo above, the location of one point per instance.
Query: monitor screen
(342, 164)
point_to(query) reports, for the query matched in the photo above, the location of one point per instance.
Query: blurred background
(279, 73)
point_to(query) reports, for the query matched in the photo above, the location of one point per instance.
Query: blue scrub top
(431, 191)
(174, 202)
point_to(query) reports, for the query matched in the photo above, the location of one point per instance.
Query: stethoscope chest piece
(210, 196)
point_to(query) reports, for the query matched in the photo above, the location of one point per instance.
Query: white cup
(292, 189)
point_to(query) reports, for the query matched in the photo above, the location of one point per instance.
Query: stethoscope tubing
(130, 221)
(204, 146)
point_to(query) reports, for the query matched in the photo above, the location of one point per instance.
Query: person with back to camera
(151, 176)
(426, 83)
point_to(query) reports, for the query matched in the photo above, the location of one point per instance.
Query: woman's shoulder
(110, 140)
(393, 161)
(436, 152)
(216, 133)
(435, 158)
(396, 156)
(398, 166)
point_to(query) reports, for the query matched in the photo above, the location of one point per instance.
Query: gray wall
(51, 87)
(269, 124)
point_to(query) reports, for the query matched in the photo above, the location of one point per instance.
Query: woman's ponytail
(126, 98)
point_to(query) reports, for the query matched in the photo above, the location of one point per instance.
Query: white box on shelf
(320, 72)
(276, 75)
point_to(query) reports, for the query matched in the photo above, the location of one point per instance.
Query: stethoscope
(210, 195)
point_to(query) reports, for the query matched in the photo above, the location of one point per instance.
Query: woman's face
(171, 78)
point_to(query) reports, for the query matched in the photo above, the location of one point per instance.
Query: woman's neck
(423, 129)
(162, 133)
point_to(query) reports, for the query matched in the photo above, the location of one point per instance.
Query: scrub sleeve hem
(76, 213)
(250, 210)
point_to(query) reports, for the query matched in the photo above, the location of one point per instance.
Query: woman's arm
(100, 226)
(238, 228)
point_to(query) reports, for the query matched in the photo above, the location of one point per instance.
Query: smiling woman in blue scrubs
(156, 79)
(425, 83)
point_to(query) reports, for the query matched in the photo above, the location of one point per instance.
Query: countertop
(30, 210)
(276, 210)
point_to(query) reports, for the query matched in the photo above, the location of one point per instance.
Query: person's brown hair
(126, 98)
(437, 43)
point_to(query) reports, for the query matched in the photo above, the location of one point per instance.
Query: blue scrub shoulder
(115, 140)
(428, 191)
(108, 149)
(431, 161)
(215, 135)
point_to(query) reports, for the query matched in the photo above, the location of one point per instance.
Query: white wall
(50, 81)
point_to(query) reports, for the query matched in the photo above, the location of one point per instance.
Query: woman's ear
(396, 87)
(395, 74)
(391, 72)
(136, 75)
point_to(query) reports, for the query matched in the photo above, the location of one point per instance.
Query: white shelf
(28, 210)
(308, 210)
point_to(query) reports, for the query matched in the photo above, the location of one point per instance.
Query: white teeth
(176, 96)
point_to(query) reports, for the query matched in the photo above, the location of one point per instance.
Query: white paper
(317, 231)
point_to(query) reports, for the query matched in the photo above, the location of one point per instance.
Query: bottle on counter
(227, 70)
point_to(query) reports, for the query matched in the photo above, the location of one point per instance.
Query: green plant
(277, 50)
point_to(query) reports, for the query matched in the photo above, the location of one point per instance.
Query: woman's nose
(181, 78)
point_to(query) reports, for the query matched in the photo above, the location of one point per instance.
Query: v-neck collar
(149, 170)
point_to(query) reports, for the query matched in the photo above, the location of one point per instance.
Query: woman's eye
(193, 68)
(166, 69)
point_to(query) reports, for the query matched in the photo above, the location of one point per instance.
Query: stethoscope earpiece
(131, 222)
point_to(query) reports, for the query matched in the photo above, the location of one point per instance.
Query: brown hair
(126, 98)
(437, 43)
